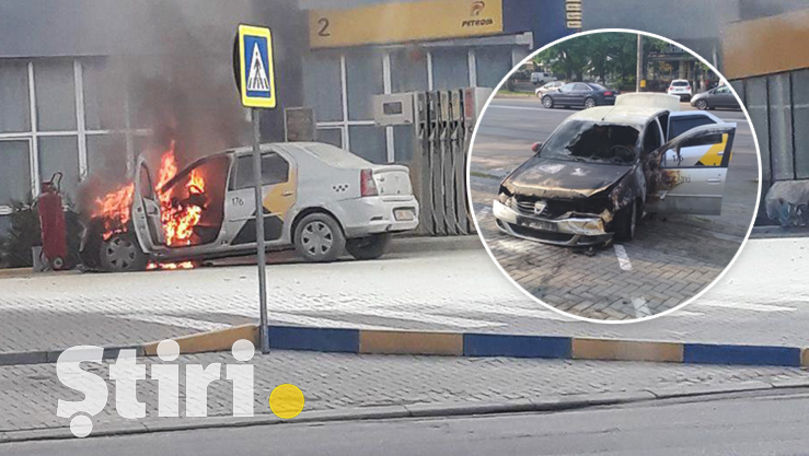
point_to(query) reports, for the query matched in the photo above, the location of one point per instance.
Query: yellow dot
(286, 401)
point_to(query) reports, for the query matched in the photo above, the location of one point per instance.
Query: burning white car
(316, 197)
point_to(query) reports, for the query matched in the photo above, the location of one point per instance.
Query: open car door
(677, 185)
(146, 210)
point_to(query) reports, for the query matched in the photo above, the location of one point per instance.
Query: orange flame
(181, 207)
(179, 217)
(171, 266)
(114, 209)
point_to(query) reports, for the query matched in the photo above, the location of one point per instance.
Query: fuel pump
(442, 122)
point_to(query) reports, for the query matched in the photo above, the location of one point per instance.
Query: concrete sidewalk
(763, 300)
(348, 386)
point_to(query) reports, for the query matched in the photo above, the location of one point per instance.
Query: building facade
(367, 48)
(87, 85)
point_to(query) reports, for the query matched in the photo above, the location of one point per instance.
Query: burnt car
(321, 199)
(584, 94)
(603, 168)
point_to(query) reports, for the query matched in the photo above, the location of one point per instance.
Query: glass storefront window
(363, 81)
(408, 70)
(403, 143)
(492, 63)
(106, 155)
(55, 95)
(15, 174)
(333, 136)
(60, 153)
(756, 93)
(368, 142)
(103, 86)
(14, 103)
(321, 86)
(781, 127)
(450, 68)
(800, 113)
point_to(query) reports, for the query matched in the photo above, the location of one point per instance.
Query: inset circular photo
(614, 175)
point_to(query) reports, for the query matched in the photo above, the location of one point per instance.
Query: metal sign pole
(260, 252)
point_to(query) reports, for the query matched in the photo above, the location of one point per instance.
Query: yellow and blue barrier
(528, 346)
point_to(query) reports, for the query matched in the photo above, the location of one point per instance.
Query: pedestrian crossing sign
(256, 77)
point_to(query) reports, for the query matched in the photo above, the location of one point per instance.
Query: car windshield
(594, 142)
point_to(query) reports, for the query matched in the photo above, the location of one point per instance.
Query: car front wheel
(318, 237)
(369, 247)
(702, 105)
(121, 253)
(547, 101)
(626, 220)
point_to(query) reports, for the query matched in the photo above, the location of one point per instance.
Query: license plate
(403, 215)
(539, 225)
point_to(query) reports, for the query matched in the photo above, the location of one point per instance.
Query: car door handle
(288, 193)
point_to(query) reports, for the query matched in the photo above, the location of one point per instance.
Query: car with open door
(603, 168)
(316, 197)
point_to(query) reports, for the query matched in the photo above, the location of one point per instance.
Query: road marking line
(623, 258)
(747, 306)
(641, 309)
(517, 107)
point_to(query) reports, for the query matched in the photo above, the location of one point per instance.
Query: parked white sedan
(316, 197)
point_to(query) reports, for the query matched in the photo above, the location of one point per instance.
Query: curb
(402, 342)
(551, 403)
(363, 341)
(50, 356)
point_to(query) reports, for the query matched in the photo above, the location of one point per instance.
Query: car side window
(582, 87)
(274, 170)
(681, 124)
(722, 90)
(651, 137)
(567, 87)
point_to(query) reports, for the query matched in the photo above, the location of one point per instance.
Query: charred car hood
(546, 178)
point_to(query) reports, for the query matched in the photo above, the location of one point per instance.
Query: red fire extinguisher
(52, 221)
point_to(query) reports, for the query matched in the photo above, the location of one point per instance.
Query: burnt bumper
(567, 231)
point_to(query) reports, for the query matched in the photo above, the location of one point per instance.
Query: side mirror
(536, 146)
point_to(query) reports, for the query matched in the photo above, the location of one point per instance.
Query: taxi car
(320, 199)
(604, 167)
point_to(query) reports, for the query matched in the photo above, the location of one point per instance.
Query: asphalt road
(672, 258)
(746, 424)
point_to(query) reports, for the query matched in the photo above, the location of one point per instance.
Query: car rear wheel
(702, 105)
(318, 237)
(369, 247)
(547, 101)
(121, 253)
(589, 103)
(626, 220)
